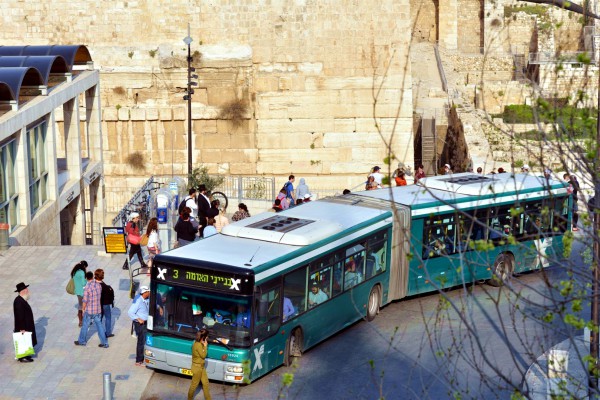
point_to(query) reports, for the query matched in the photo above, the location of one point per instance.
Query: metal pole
(106, 386)
(189, 104)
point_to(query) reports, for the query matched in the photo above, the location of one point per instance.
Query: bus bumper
(217, 370)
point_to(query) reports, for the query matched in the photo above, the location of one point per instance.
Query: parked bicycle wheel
(221, 197)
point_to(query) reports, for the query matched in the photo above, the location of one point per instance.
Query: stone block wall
(304, 71)
(470, 27)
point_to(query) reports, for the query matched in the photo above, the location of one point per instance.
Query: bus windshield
(183, 311)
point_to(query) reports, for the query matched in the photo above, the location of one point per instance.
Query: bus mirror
(263, 309)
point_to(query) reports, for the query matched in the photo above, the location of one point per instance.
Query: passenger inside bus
(243, 317)
(316, 295)
(351, 277)
(288, 309)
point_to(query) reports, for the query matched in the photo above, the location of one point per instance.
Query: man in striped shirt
(92, 310)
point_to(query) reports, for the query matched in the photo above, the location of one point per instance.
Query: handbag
(70, 286)
(144, 240)
(133, 238)
(23, 344)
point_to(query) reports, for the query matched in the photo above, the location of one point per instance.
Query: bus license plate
(185, 371)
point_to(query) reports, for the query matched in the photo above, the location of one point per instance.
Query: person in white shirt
(316, 295)
(153, 240)
(378, 176)
(190, 201)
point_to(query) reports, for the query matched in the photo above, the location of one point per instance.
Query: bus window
(268, 307)
(338, 278)
(375, 263)
(561, 214)
(470, 228)
(294, 293)
(354, 266)
(438, 236)
(505, 221)
(537, 219)
(319, 282)
(184, 311)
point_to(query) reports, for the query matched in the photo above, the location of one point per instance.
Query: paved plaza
(62, 370)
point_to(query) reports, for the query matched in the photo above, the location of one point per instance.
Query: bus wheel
(502, 270)
(293, 347)
(373, 304)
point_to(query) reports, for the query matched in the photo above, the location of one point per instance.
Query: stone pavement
(62, 370)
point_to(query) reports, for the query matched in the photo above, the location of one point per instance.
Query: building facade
(51, 169)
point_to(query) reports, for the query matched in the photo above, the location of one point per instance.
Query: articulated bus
(272, 286)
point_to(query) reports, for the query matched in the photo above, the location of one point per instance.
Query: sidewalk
(62, 370)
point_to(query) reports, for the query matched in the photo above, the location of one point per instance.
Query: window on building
(38, 167)
(8, 195)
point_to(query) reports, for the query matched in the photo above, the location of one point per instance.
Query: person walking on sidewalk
(92, 310)
(133, 238)
(78, 275)
(199, 352)
(138, 312)
(24, 316)
(107, 299)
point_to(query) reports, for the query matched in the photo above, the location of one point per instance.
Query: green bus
(272, 286)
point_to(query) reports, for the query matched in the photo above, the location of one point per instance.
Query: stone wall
(303, 72)
(424, 22)
(470, 26)
(473, 69)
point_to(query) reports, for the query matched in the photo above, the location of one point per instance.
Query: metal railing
(240, 188)
(133, 204)
(440, 67)
(568, 57)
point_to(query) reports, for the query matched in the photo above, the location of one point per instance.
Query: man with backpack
(189, 201)
(107, 300)
(289, 190)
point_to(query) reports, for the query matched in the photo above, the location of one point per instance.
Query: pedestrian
(241, 213)
(153, 245)
(346, 191)
(210, 228)
(92, 310)
(290, 194)
(203, 206)
(133, 238)
(371, 184)
(479, 171)
(525, 169)
(190, 201)
(302, 189)
(276, 206)
(24, 316)
(574, 189)
(377, 176)
(138, 312)
(447, 169)
(307, 198)
(107, 300)
(78, 275)
(419, 173)
(283, 199)
(221, 220)
(199, 375)
(400, 179)
(186, 231)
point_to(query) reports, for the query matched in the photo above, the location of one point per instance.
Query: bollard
(106, 386)
(4, 229)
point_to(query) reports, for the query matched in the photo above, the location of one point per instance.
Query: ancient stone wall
(301, 75)
(470, 26)
(424, 21)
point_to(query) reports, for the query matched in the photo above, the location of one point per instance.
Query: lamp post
(188, 41)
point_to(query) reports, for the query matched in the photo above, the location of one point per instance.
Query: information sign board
(114, 240)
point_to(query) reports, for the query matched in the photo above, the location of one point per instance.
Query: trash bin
(4, 229)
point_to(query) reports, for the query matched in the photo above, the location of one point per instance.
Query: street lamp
(188, 41)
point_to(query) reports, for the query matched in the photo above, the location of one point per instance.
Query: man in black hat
(24, 316)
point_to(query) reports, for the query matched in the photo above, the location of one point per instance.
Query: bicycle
(221, 197)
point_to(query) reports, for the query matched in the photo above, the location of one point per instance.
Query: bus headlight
(235, 369)
(148, 353)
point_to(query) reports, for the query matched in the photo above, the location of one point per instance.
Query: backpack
(107, 297)
(182, 205)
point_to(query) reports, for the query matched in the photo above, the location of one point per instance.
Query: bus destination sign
(114, 240)
(204, 278)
